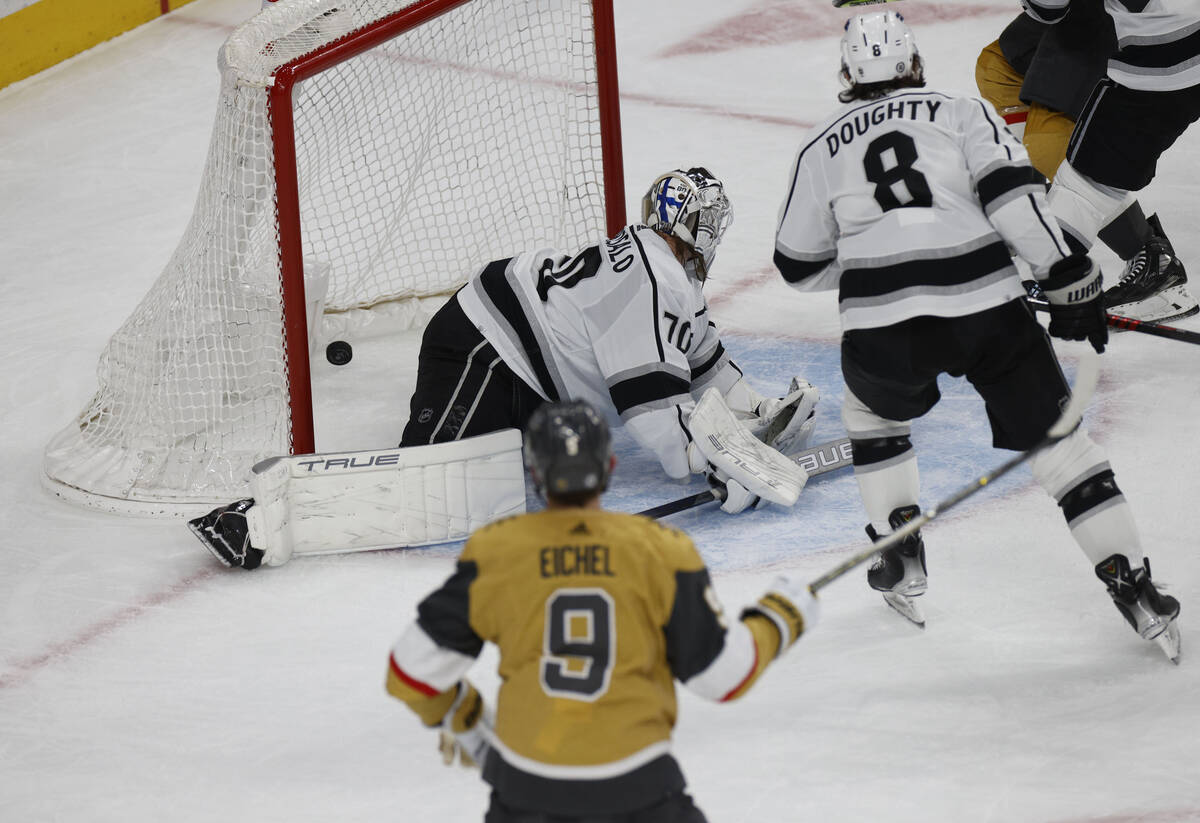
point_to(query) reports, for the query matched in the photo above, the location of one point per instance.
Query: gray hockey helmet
(568, 449)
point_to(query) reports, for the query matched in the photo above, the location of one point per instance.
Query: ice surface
(140, 681)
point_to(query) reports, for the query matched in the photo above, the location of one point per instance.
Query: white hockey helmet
(692, 206)
(879, 48)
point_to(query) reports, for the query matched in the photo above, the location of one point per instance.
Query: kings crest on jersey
(620, 324)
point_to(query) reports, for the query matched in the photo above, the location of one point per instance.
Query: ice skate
(899, 572)
(1151, 613)
(1170, 304)
(1154, 285)
(225, 533)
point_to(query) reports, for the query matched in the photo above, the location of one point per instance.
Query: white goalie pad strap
(729, 446)
(359, 501)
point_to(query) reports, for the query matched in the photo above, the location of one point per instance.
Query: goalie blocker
(360, 501)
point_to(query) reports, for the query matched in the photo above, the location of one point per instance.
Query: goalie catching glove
(1075, 294)
(783, 423)
(736, 462)
(786, 423)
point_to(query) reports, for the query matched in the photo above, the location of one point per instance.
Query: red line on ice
(774, 23)
(21, 670)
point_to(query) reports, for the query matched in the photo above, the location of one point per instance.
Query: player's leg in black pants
(1114, 150)
(463, 387)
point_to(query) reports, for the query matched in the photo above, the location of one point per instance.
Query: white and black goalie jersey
(1158, 41)
(909, 205)
(620, 324)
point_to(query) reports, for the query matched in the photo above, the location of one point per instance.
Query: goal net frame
(107, 475)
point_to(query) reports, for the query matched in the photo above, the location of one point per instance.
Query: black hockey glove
(1074, 290)
(226, 534)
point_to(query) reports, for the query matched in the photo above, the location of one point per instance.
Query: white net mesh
(462, 140)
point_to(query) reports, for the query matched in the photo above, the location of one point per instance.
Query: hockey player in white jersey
(622, 324)
(1149, 98)
(907, 202)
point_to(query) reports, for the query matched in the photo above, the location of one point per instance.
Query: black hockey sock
(1126, 233)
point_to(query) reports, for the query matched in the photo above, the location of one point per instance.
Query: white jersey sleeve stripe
(654, 291)
(510, 315)
(730, 668)
(420, 658)
(1007, 183)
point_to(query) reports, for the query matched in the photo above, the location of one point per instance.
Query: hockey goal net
(366, 155)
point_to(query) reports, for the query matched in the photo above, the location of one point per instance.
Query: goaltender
(622, 324)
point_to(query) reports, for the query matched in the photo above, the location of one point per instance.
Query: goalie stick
(816, 460)
(1085, 386)
(1129, 324)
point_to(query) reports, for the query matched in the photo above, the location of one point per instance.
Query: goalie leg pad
(360, 501)
(729, 446)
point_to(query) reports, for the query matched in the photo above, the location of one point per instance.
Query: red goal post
(367, 155)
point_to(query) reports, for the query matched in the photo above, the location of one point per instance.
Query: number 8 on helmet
(878, 48)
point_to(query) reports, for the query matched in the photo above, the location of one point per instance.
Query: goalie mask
(568, 449)
(692, 206)
(878, 48)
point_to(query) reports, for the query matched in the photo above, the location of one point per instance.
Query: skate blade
(1170, 304)
(1170, 642)
(906, 607)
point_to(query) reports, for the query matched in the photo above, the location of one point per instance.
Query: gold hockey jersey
(595, 614)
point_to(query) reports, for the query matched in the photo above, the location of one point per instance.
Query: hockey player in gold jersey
(595, 614)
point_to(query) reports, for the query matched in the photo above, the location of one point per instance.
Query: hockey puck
(339, 352)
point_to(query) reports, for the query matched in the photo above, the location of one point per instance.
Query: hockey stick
(1143, 326)
(851, 3)
(816, 460)
(1085, 386)
(1156, 329)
